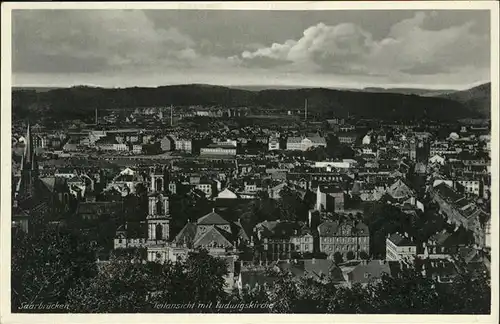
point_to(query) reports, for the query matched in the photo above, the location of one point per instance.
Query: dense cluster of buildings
(229, 167)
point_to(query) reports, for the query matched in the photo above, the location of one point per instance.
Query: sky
(443, 49)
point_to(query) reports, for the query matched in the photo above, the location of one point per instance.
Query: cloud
(311, 47)
(408, 48)
(91, 40)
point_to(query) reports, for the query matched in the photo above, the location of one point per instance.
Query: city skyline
(348, 49)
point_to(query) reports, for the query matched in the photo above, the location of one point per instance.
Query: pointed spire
(28, 149)
(29, 167)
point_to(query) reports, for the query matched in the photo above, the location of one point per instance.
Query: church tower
(157, 181)
(29, 168)
(158, 219)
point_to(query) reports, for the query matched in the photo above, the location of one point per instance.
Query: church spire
(29, 166)
(28, 156)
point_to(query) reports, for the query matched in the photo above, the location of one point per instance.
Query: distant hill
(37, 89)
(80, 102)
(476, 100)
(408, 91)
(263, 87)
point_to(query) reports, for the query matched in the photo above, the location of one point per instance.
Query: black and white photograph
(233, 160)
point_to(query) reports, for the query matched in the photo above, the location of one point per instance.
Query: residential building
(471, 186)
(400, 247)
(273, 144)
(167, 143)
(348, 138)
(303, 240)
(209, 188)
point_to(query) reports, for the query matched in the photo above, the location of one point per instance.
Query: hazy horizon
(269, 86)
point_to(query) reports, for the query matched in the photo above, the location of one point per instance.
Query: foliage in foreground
(59, 267)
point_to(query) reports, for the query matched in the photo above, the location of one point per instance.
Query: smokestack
(305, 112)
(96, 120)
(171, 115)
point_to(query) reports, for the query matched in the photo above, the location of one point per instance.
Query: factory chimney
(305, 111)
(171, 115)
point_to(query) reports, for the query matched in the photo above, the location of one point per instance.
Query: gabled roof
(363, 273)
(212, 219)
(399, 190)
(328, 228)
(318, 267)
(54, 184)
(447, 192)
(240, 231)
(186, 235)
(214, 235)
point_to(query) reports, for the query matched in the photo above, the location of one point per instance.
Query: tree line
(57, 265)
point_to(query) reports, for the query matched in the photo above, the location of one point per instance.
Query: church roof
(240, 231)
(212, 219)
(187, 234)
(214, 236)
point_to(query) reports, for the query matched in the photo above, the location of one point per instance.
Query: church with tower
(30, 197)
(153, 231)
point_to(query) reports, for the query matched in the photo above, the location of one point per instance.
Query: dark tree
(337, 257)
(46, 265)
(363, 255)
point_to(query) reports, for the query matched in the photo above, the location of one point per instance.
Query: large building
(277, 240)
(213, 233)
(110, 143)
(183, 145)
(219, 150)
(344, 237)
(304, 143)
(329, 198)
(348, 138)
